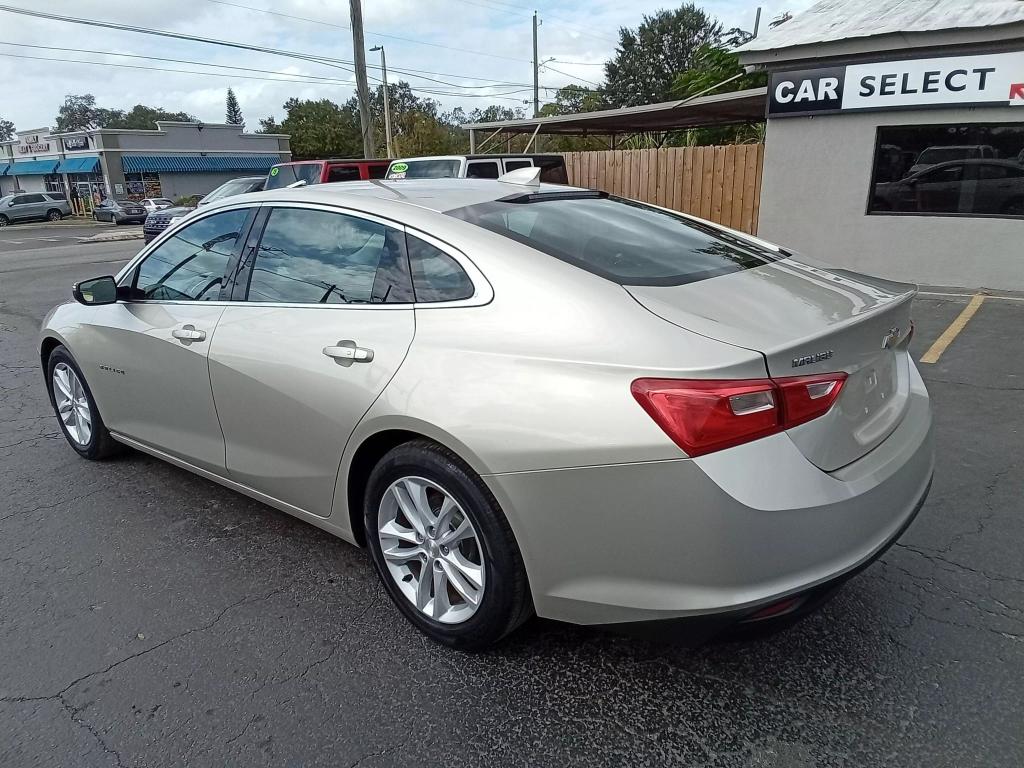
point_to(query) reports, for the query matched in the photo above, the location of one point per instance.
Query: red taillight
(702, 416)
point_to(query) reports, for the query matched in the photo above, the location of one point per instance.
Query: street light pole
(387, 106)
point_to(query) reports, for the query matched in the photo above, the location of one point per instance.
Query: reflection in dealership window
(190, 265)
(965, 170)
(317, 257)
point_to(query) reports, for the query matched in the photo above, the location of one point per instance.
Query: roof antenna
(524, 177)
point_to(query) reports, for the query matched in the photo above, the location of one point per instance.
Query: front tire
(76, 410)
(443, 548)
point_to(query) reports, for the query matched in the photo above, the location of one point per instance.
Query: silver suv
(28, 206)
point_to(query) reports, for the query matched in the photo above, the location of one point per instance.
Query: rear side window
(552, 170)
(621, 240)
(436, 276)
(318, 257)
(482, 170)
(283, 175)
(342, 173)
(515, 165)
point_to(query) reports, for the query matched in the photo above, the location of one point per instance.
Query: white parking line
(14, 242)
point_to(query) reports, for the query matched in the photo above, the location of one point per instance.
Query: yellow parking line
(935, 351)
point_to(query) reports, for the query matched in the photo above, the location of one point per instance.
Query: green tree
(79, 113)
(648, 58)
(233, 114)
(6, 130)
(571, 100)
(269, 124)
(713, 65)
(142, 117)
(321, 129)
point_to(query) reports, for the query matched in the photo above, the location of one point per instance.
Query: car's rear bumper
(720, 536)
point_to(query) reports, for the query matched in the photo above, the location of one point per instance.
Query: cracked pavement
(150, 618)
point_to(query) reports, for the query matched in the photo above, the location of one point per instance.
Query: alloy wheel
(72, 404)
(53, 216)
(431, 549)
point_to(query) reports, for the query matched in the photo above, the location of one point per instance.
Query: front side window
(959, 170)
(319, 257)
(621, 240)
(436, 276)
(190, 266)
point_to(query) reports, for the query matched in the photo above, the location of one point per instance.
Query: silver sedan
(520, 398)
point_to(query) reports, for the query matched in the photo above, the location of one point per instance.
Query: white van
(477, 167)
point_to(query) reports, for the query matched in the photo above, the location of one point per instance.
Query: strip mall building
(173, 160)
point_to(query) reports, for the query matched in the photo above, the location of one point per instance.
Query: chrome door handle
(188, 334)
(347, 352)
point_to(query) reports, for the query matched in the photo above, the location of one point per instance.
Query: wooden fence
(722, 184)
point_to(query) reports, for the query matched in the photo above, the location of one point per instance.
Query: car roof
(494, 156)
(337, 160)
(433, 194)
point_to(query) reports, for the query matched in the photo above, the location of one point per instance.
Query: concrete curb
(110, 237)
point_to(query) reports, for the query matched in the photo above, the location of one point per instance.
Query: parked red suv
(326, 171)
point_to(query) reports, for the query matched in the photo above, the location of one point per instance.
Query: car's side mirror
(98, 290)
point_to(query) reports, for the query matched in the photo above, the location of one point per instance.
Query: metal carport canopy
(718, 109)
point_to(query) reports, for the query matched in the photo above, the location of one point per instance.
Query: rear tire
(64, 378)
(4, 221)
(54, 215)
(503, 599)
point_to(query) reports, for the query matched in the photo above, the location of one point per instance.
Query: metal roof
(718, 109)
(830, 21)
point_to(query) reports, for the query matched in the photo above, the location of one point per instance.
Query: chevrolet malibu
(520, 398)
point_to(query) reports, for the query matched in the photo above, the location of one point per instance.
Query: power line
(574, 77)
(369, 32)
(323, 60)
(295, 78)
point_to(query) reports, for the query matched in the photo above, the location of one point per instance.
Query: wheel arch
(369, 447)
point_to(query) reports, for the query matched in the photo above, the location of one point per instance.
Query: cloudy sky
(481, 48)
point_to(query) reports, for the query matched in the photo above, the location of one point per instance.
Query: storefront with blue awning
(174, 160)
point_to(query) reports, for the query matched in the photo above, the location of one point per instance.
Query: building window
(53, 183)
(949, 170)
(142, 185)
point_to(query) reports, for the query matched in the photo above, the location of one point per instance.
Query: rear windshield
(289, 173)
(424, 169)
(624, 241)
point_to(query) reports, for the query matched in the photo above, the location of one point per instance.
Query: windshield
(283, 175)
(228, 189)
(624, 241)
(424, 169)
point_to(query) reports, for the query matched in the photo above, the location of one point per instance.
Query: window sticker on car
(274, 171)
(394, 175)
(398, 170)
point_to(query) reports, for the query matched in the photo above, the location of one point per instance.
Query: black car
(158, 221)
(120, 211)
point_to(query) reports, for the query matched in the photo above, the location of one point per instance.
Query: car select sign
(953, 81)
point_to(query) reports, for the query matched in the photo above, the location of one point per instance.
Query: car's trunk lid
(807, 320)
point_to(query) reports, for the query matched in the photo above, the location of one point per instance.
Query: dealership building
(895, 138)
(174, 159)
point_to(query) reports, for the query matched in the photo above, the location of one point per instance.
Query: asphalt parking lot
(36, 236)
(149, 617)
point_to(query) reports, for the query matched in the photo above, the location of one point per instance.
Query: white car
(156, 204)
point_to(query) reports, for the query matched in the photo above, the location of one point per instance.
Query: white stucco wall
(814, 196)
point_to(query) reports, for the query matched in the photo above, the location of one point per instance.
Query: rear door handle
(346, 352)
(188, 334)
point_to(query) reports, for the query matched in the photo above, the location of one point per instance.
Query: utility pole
(387, 106)
(536, 70)
(362, 90)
